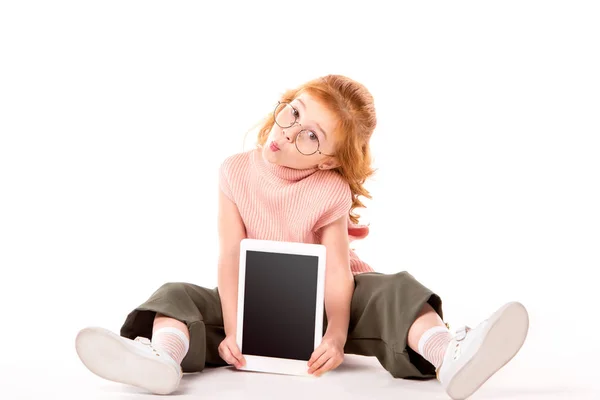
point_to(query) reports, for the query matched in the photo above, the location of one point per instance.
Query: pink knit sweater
(285, 204)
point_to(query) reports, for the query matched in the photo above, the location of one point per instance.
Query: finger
(319, 351)
(235, 351)
(319, 362)
(226, 355)
(235, 355)
(329, 365)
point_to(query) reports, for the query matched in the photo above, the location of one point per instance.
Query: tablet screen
(279, 305)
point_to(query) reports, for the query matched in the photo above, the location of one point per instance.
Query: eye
(295, 112)
(312, 136)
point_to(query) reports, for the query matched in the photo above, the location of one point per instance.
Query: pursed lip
(274, 146)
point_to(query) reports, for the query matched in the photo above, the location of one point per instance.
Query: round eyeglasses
(307, 141)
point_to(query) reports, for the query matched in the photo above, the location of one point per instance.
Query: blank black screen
(279, 305)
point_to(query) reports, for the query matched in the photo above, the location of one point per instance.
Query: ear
(329, 164)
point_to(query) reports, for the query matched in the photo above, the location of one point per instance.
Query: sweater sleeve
(337, 205)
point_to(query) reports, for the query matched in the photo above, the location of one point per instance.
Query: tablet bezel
(272, 364)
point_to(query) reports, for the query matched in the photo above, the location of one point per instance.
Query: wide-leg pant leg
(384, 307)
(198, 307)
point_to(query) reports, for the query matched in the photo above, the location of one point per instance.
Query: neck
(281, 172)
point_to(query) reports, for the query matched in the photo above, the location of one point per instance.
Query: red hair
(353, 106)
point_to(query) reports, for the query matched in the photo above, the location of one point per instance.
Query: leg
(190, 308)
(390, 315)
(176, 316)
(170, 336)
(426, 320)
(162, 321)
(429, 336)
(383, 309)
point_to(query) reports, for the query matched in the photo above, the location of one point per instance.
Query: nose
(291, 137)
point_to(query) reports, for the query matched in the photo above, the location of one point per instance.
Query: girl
(301, 184)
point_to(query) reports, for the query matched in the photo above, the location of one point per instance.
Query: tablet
(280, 305)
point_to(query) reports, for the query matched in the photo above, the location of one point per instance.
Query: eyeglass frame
(302, 130)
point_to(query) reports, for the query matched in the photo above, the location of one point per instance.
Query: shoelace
(461, 334)
(148, 343)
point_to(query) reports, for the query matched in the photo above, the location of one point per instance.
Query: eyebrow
(316, 123)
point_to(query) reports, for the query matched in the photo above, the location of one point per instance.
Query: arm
(339, 287)
(339, 281)
(231, 232)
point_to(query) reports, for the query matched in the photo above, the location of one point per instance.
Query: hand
(328, 356)
(230, 352)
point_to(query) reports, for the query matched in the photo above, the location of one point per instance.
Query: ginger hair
(353, 107)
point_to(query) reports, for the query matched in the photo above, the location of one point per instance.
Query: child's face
(318, 127)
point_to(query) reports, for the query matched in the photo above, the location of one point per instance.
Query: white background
(115, 116)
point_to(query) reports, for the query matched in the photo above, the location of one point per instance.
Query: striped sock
(433, 345)
(172, 341)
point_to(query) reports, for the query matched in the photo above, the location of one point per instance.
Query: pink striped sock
(433, 345)
(172, 341)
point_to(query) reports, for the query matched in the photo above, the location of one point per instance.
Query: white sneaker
(133, 362)
(474, 355)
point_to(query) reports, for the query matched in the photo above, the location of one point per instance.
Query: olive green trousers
(383, 308)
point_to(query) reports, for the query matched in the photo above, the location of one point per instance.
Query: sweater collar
(279, 172)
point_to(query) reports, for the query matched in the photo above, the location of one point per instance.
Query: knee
(402, 280)
(172, 290)
(402, 276)
(397, 288)
(397, 280)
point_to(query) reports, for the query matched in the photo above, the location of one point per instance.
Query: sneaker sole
(105, 354)
(504, 338)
